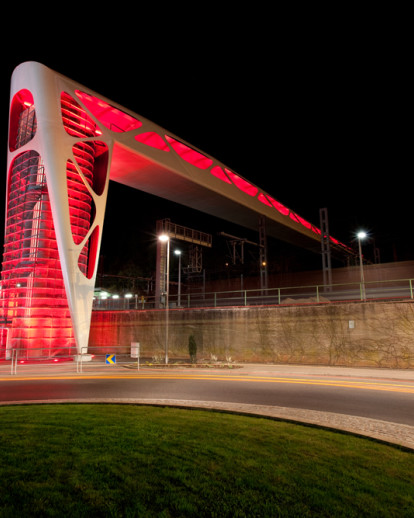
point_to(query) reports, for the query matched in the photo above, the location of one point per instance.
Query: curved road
(373, 402)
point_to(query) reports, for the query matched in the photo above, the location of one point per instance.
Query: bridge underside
(137, 171)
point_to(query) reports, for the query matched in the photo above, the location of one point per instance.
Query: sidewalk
(326, 370)
(242, 369)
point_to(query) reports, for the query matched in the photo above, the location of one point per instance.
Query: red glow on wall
(152, 139)
(111, 117)
(189, 154)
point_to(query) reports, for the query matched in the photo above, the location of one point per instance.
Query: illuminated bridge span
(65, 143)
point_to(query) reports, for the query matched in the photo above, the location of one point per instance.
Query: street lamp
(127, 296)
(164, 238)
(178, 252)
(361, 235)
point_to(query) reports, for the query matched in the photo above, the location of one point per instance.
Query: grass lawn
(136, 461)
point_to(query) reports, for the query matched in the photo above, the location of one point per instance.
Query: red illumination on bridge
(22, 119)
(119, 121)
(111, 117)
(34, 301)
(218, 172)
(152, 139)
(242, 184)
(189, 154)
(75, 143)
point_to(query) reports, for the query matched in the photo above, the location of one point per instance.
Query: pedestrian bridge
(65, 143)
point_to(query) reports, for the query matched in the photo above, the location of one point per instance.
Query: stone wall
(379, 334)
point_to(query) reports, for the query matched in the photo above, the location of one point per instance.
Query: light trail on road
(388, 386)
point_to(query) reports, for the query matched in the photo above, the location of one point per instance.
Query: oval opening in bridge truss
(88, 255)
(218, 172)
(299, 219)
(152, 139)
(81, 204)
(279, 206)
(23, 123)
(189, 154)
(112, 118)
(93, 156)
(264, 200)
(242, 184)
(76, 121)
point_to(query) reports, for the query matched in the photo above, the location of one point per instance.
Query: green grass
(123, 460)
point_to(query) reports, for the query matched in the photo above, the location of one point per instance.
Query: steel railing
(70, 360)
(313, 294)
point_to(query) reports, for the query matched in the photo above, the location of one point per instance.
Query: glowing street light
(164, 238)
(361, 235)
(127, 296)
(178, 252)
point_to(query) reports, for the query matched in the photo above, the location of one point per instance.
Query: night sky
(315, 114)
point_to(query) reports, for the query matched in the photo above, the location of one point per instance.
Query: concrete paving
(393, 433)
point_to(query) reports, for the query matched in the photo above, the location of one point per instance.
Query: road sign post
(135, 351)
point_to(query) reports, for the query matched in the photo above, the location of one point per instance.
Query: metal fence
(105, 359)
(357, 291)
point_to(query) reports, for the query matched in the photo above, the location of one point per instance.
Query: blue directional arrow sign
(110, 359)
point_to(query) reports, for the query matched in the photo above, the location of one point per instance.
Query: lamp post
(164, 238)
(178, 252)
(127, 296)
(361, 235)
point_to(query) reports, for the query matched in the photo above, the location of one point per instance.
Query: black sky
(313, 111)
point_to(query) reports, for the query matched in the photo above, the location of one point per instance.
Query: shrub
(192, 348)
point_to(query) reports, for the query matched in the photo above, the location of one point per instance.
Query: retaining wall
(379, 334)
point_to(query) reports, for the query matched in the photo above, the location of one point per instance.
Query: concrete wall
(379, 334)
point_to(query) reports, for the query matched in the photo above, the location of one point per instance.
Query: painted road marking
(358, 384)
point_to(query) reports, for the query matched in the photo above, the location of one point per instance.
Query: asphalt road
(376, 394)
